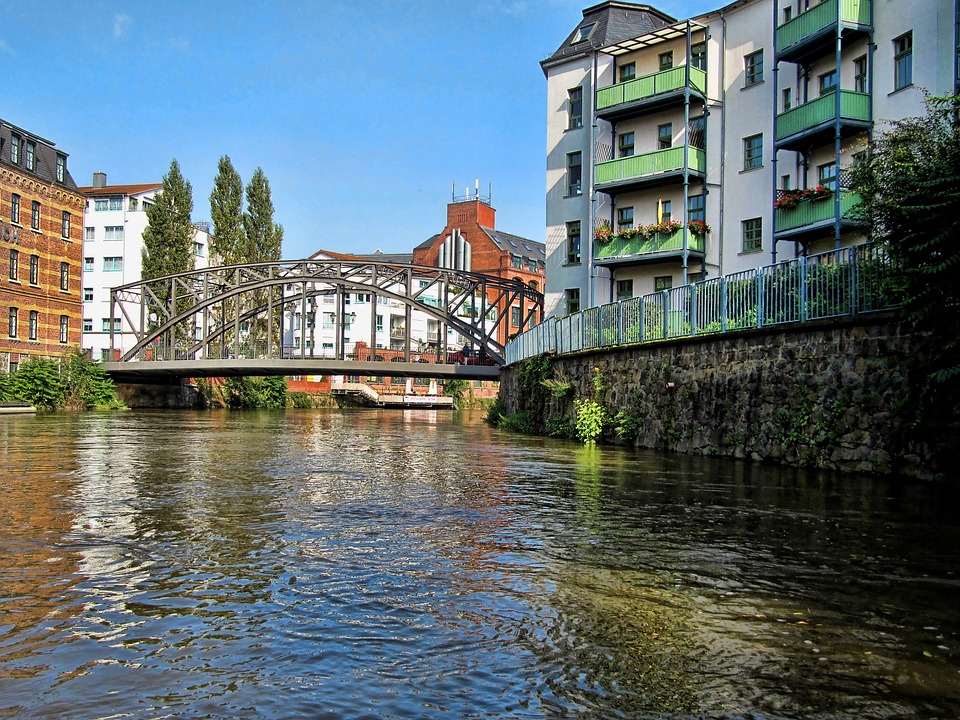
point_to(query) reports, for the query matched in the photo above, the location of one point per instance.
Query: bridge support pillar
(176, 395)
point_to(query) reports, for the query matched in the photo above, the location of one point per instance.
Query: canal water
(419, 564)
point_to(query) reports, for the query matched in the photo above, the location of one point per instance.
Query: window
(100, 204)
(113, 232)
(575, 108)
(116, 203)
(753, 68)
(752, 235)
(664, 211)
(15, 209)
(105, 325)
(88, 264)
(624, 289)
(787, 14)
(61, 167)
(34, 269)
(14, 264)
(515, 316)
(12, 326)
(666, 60)
(573, 242)
(64, 329)
(516, 261)
(65, 225)
(88, 325)
(112, 264)
(88, 294)
(625, 145)
(64, 276)
(34, 323)
(828, 82)
(827, 175)
(698, 55)
(89, 234)
(583, 32)
(574, 173)
(787, 99)
(15, 149)
(662, 282)
(146, 205)
(624, 218)
(132, 205)
(628, 72)
(31, 156)
(785, 182)
(664, 136)
(753, 152)
(697, 132)
(573, 300)
(198, 249)
(35, 215)
(903, 61)
(379, 324)
(860, 74)
(696, 208)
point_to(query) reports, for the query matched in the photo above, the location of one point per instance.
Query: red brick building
(41, 246)
(470, 241)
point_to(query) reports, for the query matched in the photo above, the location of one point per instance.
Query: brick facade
(41, 249)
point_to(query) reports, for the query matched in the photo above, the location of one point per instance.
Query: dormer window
(583, 33)
(61, 167)
(31, 156)
(15, 149)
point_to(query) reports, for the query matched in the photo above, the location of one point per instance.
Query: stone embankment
(822, 395)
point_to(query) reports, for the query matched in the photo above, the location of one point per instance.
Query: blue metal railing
(839, 283)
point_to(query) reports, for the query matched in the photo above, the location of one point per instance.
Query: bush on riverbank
(74, 382)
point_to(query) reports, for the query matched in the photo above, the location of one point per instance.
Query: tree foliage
(264, 238)
(74, 382)
(226, 211)
(168, 237)
(257, 392)
(909, 184)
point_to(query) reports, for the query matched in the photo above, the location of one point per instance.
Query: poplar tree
(168, 241)
(263, 238)
(226, 212)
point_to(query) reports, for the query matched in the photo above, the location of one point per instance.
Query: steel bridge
(232, 320)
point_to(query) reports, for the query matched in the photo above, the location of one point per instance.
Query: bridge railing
(839, 283)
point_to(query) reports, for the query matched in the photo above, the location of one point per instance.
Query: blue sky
(360, 112)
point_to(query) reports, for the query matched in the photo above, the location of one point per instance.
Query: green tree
(226, 212)
(168, 240)
(85, 383)
(909, 185)
(38, 382)
(264, 238)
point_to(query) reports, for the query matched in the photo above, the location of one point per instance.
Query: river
(419, 564)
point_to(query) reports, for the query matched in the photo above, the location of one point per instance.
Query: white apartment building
(680, 149)
(114, 220)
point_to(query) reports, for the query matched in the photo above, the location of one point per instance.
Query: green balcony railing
(650, 164)
(853, 106)
(650, 86)
(618, 248)
(810, 212)
(820, 17)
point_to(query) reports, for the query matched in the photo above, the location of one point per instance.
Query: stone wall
(170, 397)
(822, 394)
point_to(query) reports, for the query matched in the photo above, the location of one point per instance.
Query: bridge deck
(162, 371)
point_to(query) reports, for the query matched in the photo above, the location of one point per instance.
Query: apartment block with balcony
(40, 212)
(683, 149)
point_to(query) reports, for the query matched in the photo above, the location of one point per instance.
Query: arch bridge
(240, 320)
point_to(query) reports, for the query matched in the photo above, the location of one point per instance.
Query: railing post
(761, 311)
(803, 288)
(854, 282)
(723, 303)
(693, 309)
(665, 302)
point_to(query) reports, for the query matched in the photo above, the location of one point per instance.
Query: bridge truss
(243, 311)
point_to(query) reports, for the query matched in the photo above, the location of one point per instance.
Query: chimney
(99, 179)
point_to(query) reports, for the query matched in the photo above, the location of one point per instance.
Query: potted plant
(667, 227)
(603, 233)
(788, 199)
(698, 228)
(628, 233)
(820, 192)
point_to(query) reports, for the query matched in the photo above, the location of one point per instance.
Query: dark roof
(517, 245)
(428, 243)
(612, 22)
(45, 153)
(121, 189)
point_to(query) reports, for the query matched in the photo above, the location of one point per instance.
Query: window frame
(571, 298)
(828, 82)
(626, 144)
(623, 75)
(624, 289)
(698, 55)
(574, 179)
(15, 142)
(15, 209)
(31, 155)
(665, 139)
(13, 322)
(61, 167)
(625, 217)
(574, 242)
(751, 235)
(753, 152)
(860, 73)
(35, 270)
(35, 215)
(34, 325)
(662, 283)
(65, 276)
(665, 61)
(903, 61)
(753, 68)
(65, 225)
(575, 108)
(14, 265)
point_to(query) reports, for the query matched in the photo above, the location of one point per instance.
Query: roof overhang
(660, 35)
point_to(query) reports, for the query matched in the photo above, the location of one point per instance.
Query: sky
(362, 113)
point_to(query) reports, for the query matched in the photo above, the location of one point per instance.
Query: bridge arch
(243, 310)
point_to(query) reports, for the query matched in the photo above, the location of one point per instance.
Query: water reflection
(381, 564)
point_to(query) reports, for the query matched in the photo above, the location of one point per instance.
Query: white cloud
(121, 23)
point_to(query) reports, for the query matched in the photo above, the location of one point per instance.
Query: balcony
(812, 32)
(649, 169)
(814, 216)
(655, 248)
(813, 122)
(649, 92)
